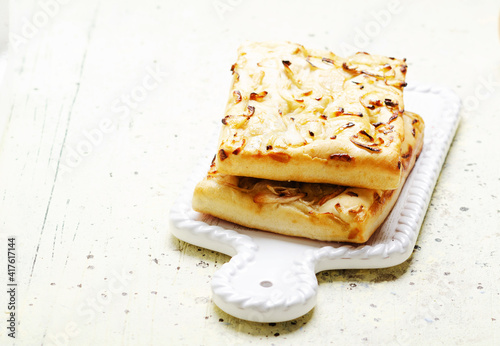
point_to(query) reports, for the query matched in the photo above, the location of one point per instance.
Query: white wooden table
(106, 106)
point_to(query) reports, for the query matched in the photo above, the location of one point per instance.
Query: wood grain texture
(107, 107)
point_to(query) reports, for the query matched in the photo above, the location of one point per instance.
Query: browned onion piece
(269, 197)
(334, 194)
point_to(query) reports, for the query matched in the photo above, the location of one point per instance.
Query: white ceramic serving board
(272, 278)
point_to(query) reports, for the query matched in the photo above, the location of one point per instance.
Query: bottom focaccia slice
(310, 210)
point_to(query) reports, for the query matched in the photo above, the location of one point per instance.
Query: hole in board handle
(266, 284)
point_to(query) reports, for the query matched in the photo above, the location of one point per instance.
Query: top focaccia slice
(311, 116)
(309, 210)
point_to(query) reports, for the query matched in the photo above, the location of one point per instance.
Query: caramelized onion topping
(368, 146)
(390, 103)
(280, 157)
(310, 63)
(278, 194)
(251, 111)
(338, 190)
(329, 61)
(237, 96)
(392, 118)
(341, 157)
(222, 155)
(258, 97)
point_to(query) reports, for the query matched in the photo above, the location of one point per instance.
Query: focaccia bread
(311, 116)
(311, 210)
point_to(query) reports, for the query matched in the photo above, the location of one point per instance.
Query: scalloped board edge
(270, 277)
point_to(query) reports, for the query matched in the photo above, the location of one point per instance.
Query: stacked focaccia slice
(312, 144)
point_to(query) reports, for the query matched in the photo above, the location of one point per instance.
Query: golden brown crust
(309, 115)
(317, 211)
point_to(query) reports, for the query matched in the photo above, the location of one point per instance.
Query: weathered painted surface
(107, 105)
